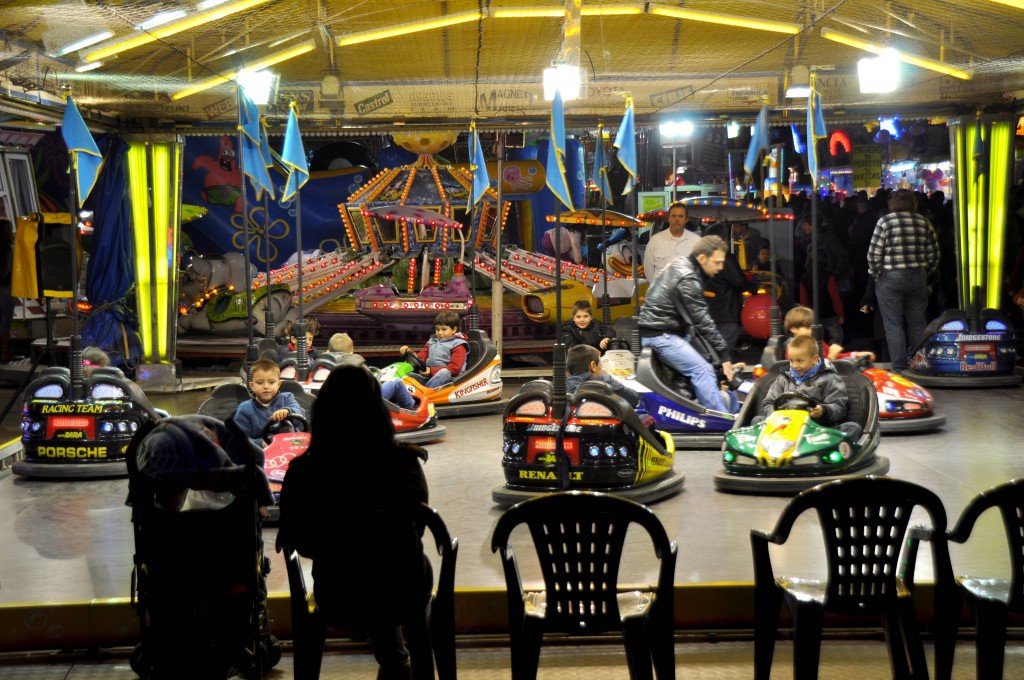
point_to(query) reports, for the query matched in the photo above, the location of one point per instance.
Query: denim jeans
(677, 352)
(442, 377)
(395, 392)
(902, 299)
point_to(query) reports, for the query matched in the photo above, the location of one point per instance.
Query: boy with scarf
(816, 378)
(445, 352)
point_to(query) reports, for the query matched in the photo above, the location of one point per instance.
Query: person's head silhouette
(350, 400)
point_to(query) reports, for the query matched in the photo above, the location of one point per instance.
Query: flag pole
(75, 358)
(250, 348)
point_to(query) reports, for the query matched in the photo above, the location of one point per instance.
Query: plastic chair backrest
(864, 523)
(1009, 498)
(578, 537)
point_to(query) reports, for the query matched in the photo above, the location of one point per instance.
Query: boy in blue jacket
(268, 402)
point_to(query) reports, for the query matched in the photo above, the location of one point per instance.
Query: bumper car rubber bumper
(28, 468)
(911, 425)
(789, 485)
(953, 380)
(655, 490)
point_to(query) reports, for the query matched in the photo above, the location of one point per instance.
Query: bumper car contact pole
(302, 368)
(268, 313)
(816, 329)
(77, 371)
(250, 349)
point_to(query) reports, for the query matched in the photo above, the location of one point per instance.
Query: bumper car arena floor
(71, 541)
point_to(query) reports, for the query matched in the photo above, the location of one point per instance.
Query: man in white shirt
(670, 244)
(667, 245)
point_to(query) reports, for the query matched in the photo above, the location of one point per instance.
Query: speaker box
(55, 250)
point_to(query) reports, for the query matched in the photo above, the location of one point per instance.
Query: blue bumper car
(959, 351)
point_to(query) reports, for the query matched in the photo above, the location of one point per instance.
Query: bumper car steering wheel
(796, 401)
(413, 360)
(293, 422)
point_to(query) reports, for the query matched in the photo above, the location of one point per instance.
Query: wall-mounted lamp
(675, 129)
(259, 86)
(732, 129)
(564, 78)
(879, 74)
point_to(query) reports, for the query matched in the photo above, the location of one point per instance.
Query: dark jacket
(826, 387)
(677, 291)
(573, 382)
(338, 514)
(592, 335)
(724, 291)
(252, 416)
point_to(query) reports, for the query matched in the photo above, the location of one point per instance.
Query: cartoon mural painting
(222, 184)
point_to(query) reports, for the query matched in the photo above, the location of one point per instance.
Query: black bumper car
(606, 447)
(788, 452)
(68, 438)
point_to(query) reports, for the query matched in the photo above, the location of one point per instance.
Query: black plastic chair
(871, 558)
(992, 600)
(435, 632)
(578, 536)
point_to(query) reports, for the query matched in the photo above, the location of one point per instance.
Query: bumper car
(475, 391)
(904, 407)
(668, 399)
(788, 452)
(412, 426)
(957, 351)
(606, 447)
(68, 438)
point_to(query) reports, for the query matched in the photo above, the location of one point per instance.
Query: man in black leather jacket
(674, 310)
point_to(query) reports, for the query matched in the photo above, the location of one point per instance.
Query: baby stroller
(199, 580)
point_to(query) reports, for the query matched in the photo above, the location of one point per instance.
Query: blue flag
(625, 142)
(254, 145)
(85, 155)
(293, 156)
(815, 130)
(600, 174)
(478, 166)
(758, 141)
(555, 166)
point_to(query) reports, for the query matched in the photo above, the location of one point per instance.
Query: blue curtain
(112, 326)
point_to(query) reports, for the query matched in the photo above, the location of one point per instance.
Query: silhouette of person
(342, 505)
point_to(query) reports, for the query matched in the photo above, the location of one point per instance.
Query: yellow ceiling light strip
(1016, 4)
(726, 19)
(405, 29)
(145, 37)
(558, 12)
(920, 62)
(266, 62)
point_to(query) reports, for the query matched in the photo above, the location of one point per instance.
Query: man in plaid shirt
(903, 250)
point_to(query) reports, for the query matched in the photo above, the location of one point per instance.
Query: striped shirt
(902, 240)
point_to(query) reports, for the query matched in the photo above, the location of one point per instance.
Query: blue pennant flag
(555, 166)
(758, 141)
(600, 174)
(478, 166)
(254, 146)
(293, 156)
(85, 155)
(815, 130)
(625, 142)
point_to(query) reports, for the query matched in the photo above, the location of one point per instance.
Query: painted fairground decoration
(212, 181)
